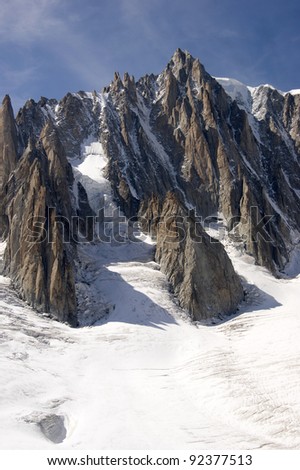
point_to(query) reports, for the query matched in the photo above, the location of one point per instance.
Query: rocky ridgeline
(174, 142)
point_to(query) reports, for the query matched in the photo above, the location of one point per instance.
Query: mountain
(169, 156)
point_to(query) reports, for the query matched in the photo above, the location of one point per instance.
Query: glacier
(146, 376)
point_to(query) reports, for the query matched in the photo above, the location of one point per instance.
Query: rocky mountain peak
(8, 141)
(6, 102)
(130, 86)
(181, 59)
(175, 145)
(36, 213)
(184, 67)
(117, 84)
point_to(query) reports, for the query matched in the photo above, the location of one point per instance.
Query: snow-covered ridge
(293, 92)
(254, 101)
(250, 98)
(236, 89)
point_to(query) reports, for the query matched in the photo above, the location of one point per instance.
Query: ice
(248, 165)
(296, 191)
(293, 92)
(243, 95)
(145, 376)
(144, 116)
(277, 209)
(89, 171)
(253, 100)
(237, 91)
(292, 269)
(143, 112)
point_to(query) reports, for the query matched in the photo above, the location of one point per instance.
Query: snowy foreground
(146, 377)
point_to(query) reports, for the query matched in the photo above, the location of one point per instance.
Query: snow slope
(88, 170)
(249, 98)
(237, 91)
(145, 377)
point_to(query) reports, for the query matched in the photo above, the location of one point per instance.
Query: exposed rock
(173, 142)
(32, 118)
(37, 207)
(53, 427)
(85, 214)
(185, 135)
(196, 265)
(8, 141)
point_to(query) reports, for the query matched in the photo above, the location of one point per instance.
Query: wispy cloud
(46, 31)
(143, 21)
(52, 46)
(17, 77)
(24, 21)
(14, 81)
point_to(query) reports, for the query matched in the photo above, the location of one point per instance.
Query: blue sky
(50, 47)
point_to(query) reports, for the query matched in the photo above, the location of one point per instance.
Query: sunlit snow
(144, 376)
(88, 170)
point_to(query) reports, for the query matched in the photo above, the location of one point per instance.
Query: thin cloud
(79, 45)
(13, 80)
(228, 33)
(44, 24)
(142, 21)
(16, 77)
(83, 58)
(24, 21)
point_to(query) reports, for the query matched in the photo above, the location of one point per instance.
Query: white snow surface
(145, 376)
(237, 91)
(294, 92)
(240, 92)
(248, 97)
(88, 170)
(253, 100)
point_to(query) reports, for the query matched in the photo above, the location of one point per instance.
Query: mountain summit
(171, 153)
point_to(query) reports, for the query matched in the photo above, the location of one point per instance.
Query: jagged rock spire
(177, 133)
(8, 140)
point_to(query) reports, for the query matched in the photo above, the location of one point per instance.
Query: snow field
(144, 376)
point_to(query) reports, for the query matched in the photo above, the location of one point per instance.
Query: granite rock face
(182, 132)
(196, 265)
(35, 203)
(8, 141)
(178, 145)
